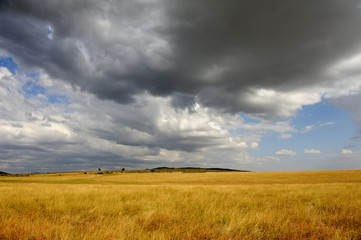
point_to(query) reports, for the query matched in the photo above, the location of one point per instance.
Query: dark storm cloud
(183, 101)
(217, 51)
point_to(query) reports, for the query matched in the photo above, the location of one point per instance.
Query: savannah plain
(178, 205)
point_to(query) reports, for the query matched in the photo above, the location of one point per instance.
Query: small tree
(99, 169)
(123, 169)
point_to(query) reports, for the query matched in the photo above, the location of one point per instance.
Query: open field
(214, 205)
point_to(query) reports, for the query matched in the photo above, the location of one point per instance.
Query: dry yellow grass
(283, 205)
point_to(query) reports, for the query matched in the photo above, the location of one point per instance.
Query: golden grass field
(213, 205)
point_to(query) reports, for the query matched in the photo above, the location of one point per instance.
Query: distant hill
(195, 169)
(157, 170)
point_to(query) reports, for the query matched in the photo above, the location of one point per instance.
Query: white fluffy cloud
(254, 145)
(306, 129)
(346, 152)
(285, 152)
(312, 151)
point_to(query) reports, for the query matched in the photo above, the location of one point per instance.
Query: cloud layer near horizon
(79, 131)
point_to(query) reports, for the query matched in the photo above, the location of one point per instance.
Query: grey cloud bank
(89, 133)
(226, 54)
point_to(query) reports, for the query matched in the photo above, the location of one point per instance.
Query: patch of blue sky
(317, 114)
(330, 132)
(329, 139)
(9, 63)
(50, 32)
(33, 74)
(269, 144)
(32, 88)
(58, 99)
(331, 128)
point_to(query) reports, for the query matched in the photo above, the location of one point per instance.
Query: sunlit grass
(288, 205)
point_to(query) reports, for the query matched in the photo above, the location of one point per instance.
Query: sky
(248, 84)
